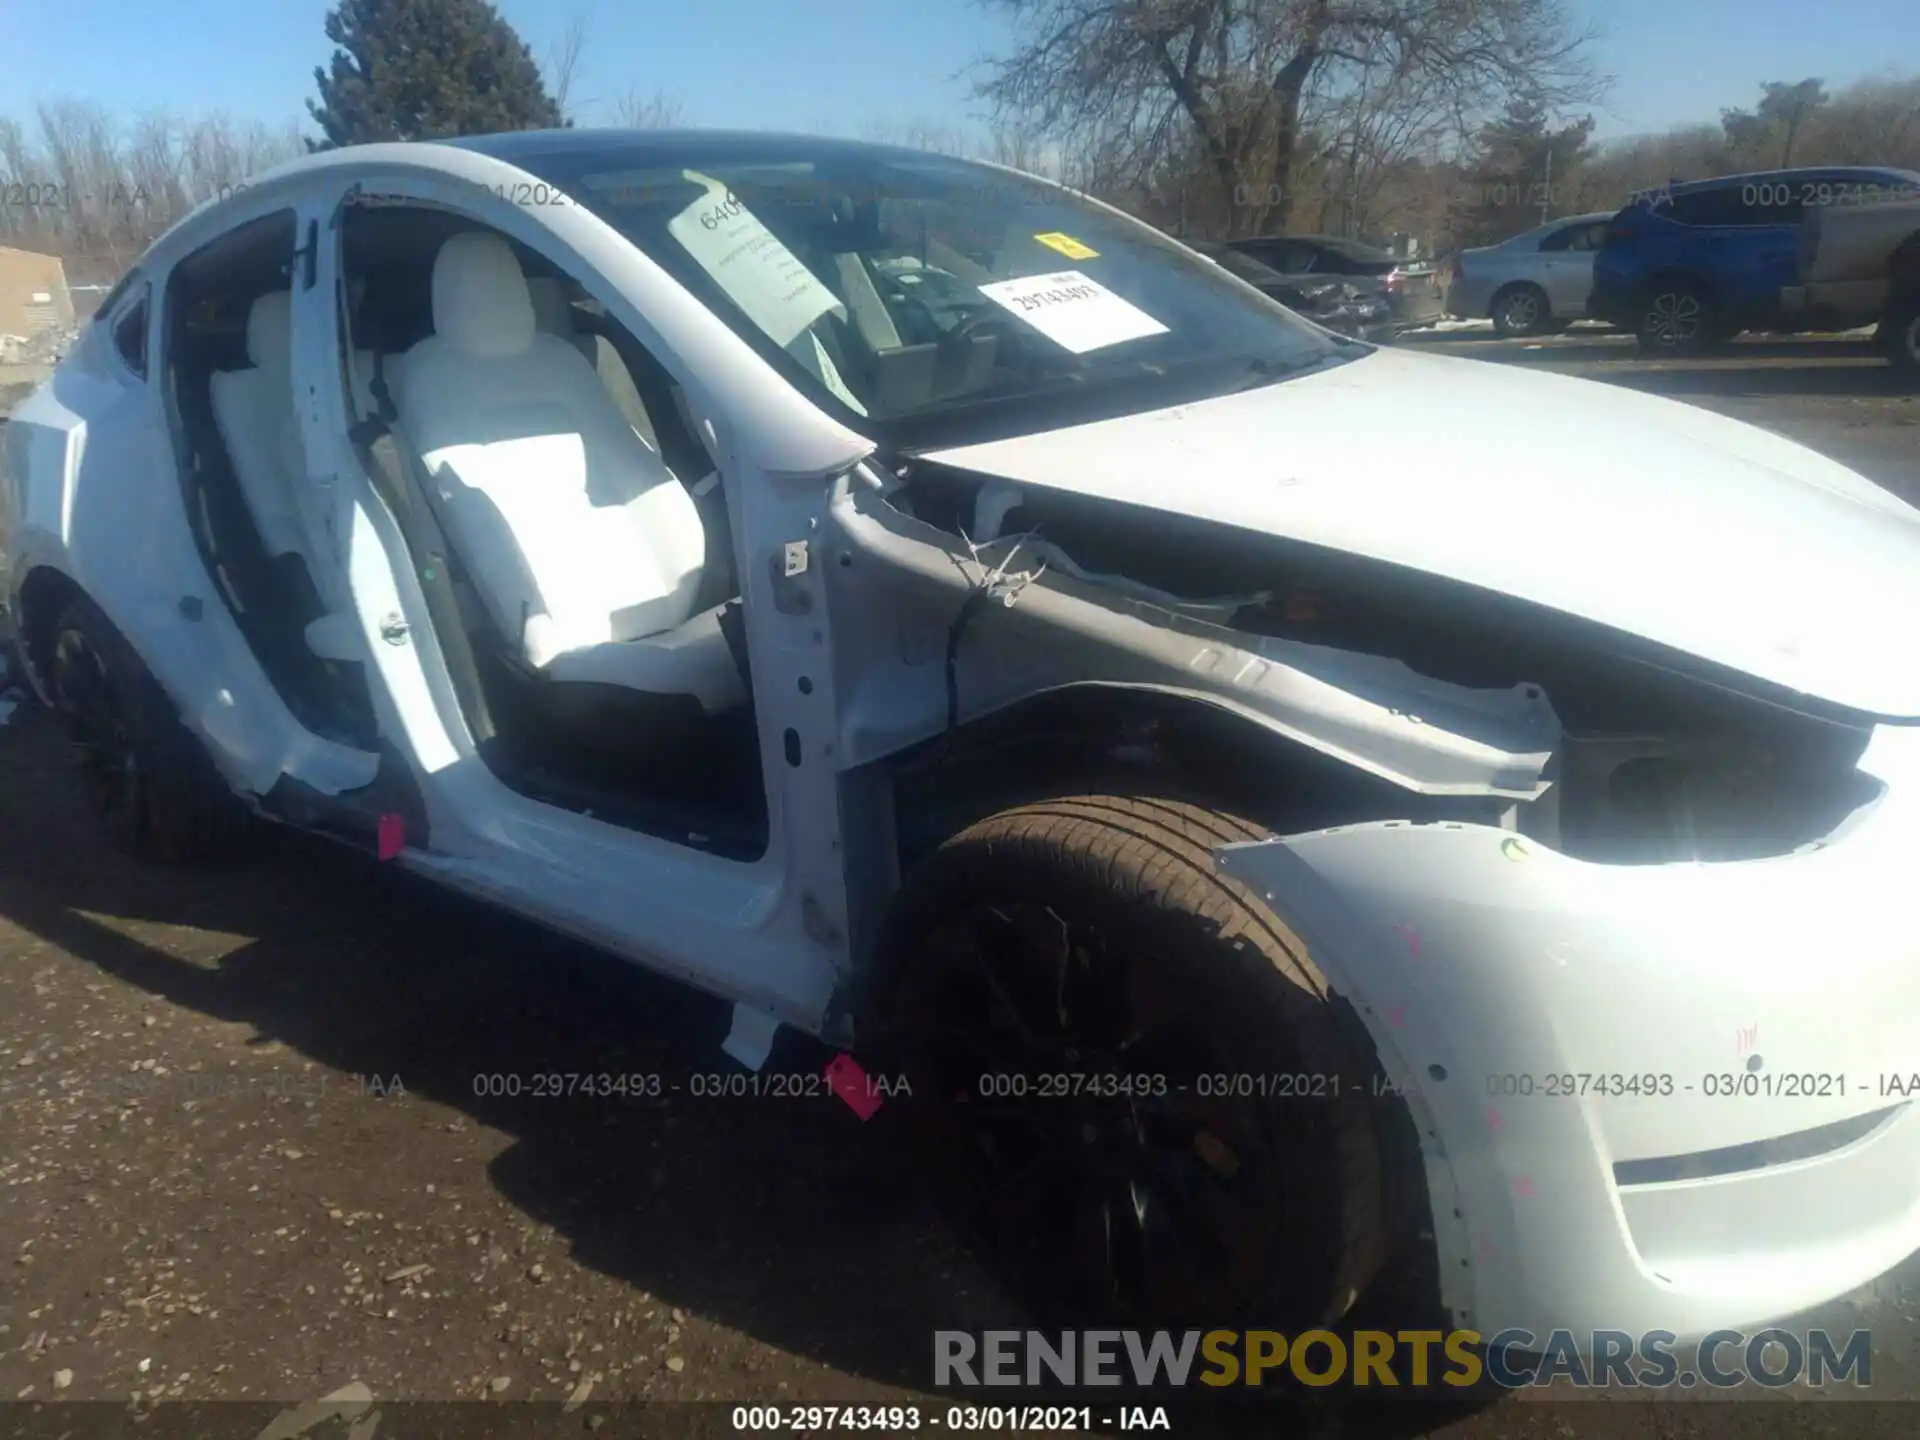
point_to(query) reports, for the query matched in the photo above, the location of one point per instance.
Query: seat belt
(397, 473)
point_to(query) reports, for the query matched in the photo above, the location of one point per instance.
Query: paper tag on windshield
(760, 274)
(1074, 312)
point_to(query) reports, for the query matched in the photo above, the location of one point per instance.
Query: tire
(149, 782)
(1899, 334)
(1520, 310)
(1676, 317)
(1092, 936)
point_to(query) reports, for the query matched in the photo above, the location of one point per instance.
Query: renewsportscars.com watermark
(1415, 1359)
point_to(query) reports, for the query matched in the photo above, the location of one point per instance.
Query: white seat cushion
(574, 531)
(253, 410)
(691, 659)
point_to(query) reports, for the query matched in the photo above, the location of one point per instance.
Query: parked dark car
(1352, 305)
(1413, 291)
(1689, 265)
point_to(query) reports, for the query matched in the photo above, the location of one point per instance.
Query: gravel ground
(248, 1149)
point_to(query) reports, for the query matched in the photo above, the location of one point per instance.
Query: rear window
(1722, 205)
(1589, 236)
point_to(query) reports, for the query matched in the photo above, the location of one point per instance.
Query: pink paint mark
(850, 1083)
(1745, 1040)
(1411, 935)
(1397, 1016)
(1493, 1117)
(392, 836)
(1523, 1187)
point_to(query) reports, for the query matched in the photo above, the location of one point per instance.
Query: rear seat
(253, 409)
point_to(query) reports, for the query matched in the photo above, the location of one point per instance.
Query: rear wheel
(1132, 1087)
(1521, 310)
(1899, 334)
(148, 781)
(1677, 318)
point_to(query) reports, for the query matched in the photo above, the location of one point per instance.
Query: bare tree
(97, 192)
(1139, 82)
(658, 111)
(563, 60)
(918, 134)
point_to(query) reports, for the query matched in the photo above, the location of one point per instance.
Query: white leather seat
(584, 548)
(253, 410)
(554, 316)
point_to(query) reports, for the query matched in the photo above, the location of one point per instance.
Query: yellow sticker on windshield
(1066, 245)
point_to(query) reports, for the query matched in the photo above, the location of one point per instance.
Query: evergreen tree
(425, 69)
(1524, 170)
(1765, 134)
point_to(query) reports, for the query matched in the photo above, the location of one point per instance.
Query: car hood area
(1660, 519)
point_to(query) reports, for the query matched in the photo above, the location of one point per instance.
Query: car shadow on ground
(787, 1220)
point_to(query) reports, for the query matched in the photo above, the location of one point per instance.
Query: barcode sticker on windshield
(1074, 312)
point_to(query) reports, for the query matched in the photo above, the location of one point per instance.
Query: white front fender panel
(1649, 1096)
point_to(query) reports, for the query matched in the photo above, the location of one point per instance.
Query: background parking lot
(270, 1129)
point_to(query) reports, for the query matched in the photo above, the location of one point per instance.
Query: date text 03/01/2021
(963, 1419)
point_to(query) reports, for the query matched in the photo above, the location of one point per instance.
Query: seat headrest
(270, 331)
(552, 313)
(480, 300)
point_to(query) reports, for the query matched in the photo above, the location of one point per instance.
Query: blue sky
(841, 65)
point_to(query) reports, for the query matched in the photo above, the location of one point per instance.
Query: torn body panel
(1032, 624)
(1632, 1082)
(1677, 529)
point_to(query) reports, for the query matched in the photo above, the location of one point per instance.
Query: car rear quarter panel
(93, 494)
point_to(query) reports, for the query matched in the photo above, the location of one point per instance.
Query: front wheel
(1133, 1088)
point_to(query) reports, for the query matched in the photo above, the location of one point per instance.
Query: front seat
(253, 410)
(585, 550)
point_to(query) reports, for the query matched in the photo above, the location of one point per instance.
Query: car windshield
(914, 293)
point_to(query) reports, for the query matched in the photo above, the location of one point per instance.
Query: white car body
(1472, 948)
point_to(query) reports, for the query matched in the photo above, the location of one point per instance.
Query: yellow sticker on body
(1067, 245)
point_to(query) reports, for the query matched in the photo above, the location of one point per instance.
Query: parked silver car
(1533, 282)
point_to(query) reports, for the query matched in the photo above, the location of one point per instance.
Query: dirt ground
(252, 1145)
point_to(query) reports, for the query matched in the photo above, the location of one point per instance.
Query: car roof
(1716, 182)
(530, 149)
(527, 150)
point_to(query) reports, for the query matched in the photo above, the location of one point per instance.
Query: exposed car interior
(567, 525)
(229, 392)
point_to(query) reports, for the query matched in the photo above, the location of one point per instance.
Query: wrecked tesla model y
(1284, 805)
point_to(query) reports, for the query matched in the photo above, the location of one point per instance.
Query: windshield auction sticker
(1067, 245)
(1074, 312)
(760, 275)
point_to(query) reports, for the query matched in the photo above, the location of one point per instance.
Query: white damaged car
(1276, 804)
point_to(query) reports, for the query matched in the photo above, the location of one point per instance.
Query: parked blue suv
(1689, 265)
